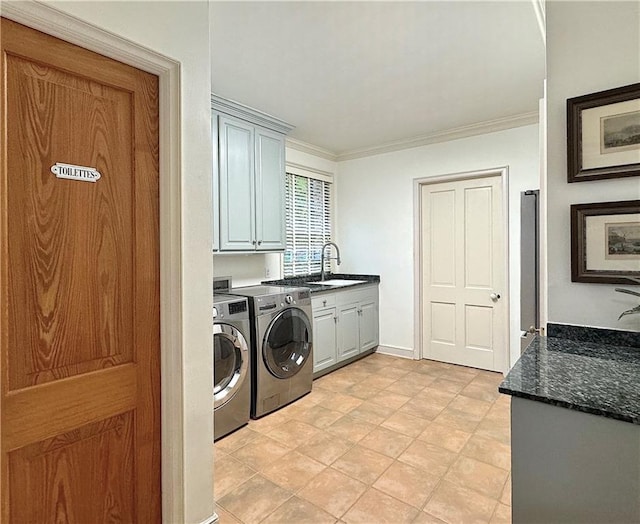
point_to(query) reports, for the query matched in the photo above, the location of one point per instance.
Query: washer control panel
(230, 307)
(292, 297)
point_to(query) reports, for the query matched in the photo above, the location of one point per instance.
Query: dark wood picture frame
(579, 214)
(575, 106)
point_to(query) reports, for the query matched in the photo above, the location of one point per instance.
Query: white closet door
(464, 269)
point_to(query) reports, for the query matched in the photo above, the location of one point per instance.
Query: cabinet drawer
(361, 294)
(322, 301)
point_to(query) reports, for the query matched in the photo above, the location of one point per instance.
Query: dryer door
(231, 362)
(287, 343)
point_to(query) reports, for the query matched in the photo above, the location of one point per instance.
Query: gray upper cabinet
(237, 185)
(251, 179)
(216, 183)
(270, 182)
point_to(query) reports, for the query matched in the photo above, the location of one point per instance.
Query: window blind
(308, 224)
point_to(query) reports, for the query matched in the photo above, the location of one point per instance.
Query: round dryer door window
(287, 343)
(231, 362)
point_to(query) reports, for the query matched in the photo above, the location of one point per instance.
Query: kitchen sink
(337, 282)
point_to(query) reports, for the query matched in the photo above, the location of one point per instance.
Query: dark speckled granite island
(575, 427)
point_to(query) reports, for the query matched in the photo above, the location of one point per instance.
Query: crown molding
(304, 147)
(233, 108)
(481, 128)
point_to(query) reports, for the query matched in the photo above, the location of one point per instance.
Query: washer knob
(288, 299)
(215, 312)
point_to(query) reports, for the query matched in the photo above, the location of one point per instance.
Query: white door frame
(55, 23)
(503, 173)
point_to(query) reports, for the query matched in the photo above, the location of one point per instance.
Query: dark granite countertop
(591, 377)
(316, 287)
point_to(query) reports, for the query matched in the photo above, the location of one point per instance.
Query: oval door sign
(71, 172)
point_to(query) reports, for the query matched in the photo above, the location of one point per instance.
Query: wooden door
(463, 273)
(79, 293)
(237, 185)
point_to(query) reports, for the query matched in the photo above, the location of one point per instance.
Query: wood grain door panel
(71, 264)
(64, 474)
(41, 412)
(79, 286)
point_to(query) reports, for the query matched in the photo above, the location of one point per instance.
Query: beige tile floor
(382, 440)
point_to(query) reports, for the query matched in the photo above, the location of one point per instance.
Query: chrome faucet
(337, 258)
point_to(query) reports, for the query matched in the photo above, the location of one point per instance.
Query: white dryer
(282, 347)
(232, 364)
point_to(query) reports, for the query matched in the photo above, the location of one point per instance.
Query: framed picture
(605, 242)
(603, 134)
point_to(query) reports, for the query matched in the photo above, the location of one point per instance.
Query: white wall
(247, 270)
(591, 46)
(375, 217)
(180, 30)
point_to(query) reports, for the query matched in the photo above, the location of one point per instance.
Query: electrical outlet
(267, 272)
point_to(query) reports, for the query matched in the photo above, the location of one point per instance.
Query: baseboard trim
(396, 351)
(343, 363)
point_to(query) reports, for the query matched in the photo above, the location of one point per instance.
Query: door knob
(494, 296)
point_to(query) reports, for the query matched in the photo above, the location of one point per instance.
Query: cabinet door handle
(335, 319)
(324, 302)
(259, 242)
(253, 242)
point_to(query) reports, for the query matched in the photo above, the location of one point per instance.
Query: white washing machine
(232, 364)
(282, 347)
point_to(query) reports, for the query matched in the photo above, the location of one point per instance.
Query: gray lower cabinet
(345, 324)
(369, 325)
(572, 467)
(348, 331)
(324, 338)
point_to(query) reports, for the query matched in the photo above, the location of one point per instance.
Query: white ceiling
(357, 75)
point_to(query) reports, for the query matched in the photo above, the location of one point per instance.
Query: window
(308, 224)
